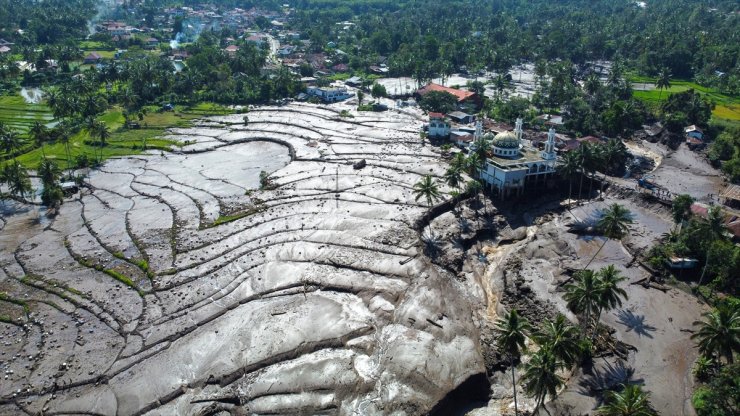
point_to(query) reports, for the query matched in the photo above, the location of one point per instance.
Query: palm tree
(453, 178)
(426, 188)
(52, 194)
(39, 134)
(582, 296)
(511, 332)
(631, 401)
(719, 333)
(681, 208)
(459, 161)
(16, 177)
(663, 81)
(48, 171)
(592, 84)
(583, 155)
(474, 163)
(610, 295)
(102, 131)
(540, 377)
(569, 167)
(63, 135)
(10, 141)
(562, 338)
(482, 147)
(614, 224)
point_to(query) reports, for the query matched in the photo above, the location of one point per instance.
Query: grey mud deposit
(315, 299)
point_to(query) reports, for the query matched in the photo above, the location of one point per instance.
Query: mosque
(515, 165)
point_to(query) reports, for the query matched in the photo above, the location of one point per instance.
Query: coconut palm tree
(719, 332)
(610, 295)
(569, 167)
(562, 338)
(16, 177)
(48, 171)
(681, 208)
(63, 136)
(663, 81)
(584, 154)
(51, 195)
(453, 177)
(426, 188)
(631, 401)
(511, 331)
(103, 133)
(582, 296)
(474, 163)
(39, 134)
(613, 224)
(10, 141)
(541, 378)
(458, 162)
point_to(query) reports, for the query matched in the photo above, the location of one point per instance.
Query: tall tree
(609, 293)
(582, 296)
(631, 401)
(10, 141)
(40, 135)
(16, 177)
(426, 188)
(568, 168)
(663, 81)
(613, 224)
(511, 332)
(719, 332)
(681, 208)
(562, 338)
(541, 378)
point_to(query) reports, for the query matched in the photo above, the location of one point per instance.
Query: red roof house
(467, 97)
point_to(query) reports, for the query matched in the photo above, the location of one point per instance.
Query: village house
(465, 99)
(694, 131)
(152, 43)
(231, 50)
(92, 58)
(4, 49)
(438, 126)
(694, 137)
(461, 118)
(328, 95)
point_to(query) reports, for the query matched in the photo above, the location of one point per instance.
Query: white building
(329, 95)
(513, 166)
(438, 126)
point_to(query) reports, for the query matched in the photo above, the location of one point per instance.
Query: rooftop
(526, 155)
(461, 95)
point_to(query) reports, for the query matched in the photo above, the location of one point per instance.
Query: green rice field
(726, 107)
(19, 115)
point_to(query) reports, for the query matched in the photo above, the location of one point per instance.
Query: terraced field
(174, 285)
(19, 115)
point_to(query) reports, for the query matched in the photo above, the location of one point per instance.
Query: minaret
(549, 152)
(518, 129)
(478, 130)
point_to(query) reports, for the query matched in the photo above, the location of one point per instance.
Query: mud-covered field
(174, 285)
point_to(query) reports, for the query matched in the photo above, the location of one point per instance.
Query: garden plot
(180, 281)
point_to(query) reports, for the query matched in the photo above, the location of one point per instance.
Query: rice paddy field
(726, 108)
(16, 113)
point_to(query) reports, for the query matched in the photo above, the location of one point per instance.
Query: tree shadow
(432, 245)
(635, 323)
(600, 380)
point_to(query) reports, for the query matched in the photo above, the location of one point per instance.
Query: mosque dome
(506, 140)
